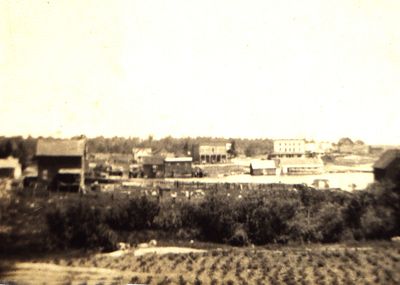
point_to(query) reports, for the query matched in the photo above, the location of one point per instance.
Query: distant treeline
(24, 148)
(179, 146)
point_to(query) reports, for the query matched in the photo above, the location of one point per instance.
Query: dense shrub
(329, 223)
(169, 218)
(94, 225)
(378, 222)
(80, 226)
(136, 214)
(270, 221)
(260, 216)
(215, 217)
(239, 236)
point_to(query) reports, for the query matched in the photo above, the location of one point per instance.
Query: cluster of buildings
(63, 164)
(300, 148)
(292, 157)
(160, 167)
(152, 165)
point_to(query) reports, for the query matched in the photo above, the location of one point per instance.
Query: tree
(346, 140)
(359, 142)
(232, 151)
(250, 151)
(150, 140)
(186, 148)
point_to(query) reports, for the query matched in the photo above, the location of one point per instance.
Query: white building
(10, 168)
(289, 148)
(263, 167)
(318, 147)
(140, 153)
(301, 166)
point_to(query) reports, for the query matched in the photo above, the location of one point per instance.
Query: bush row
(258, 217)
(96, 225)
(306, 215)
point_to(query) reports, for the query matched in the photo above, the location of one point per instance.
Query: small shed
(263, 167)
(53, 155)
(10, 168)
(387, 167)
(153, 166)
(178, 166)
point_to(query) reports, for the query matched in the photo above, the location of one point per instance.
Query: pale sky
(275, 69)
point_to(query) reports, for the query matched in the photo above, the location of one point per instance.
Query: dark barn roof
(58, 147)
(153, 160)
(386, 158)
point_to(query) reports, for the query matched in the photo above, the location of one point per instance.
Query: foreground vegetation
(281, 232)
(259, 217)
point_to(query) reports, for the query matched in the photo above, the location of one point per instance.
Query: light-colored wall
(209, 149)
(289, 146)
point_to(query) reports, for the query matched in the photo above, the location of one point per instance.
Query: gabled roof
(263, 164)
(179, 159)
(60, 147)
(301, 162)
(141, 151)
(386, 158)
(153, 160)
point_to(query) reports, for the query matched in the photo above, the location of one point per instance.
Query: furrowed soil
(372, 263)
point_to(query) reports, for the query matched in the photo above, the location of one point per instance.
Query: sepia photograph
(223, 142)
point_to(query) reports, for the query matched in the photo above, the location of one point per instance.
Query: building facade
(153, 166)
(140, 153)
(289, 148)
(210, 153)
(58, 159)
(178, 167)
(301, 166)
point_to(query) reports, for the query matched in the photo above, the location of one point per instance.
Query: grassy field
(373, 263)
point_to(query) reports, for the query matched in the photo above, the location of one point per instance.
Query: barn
(153, 166)
(178, 166)
(61, 162)
(387, 167)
